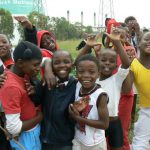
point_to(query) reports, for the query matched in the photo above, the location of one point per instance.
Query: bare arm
(127, 83)
(115, 37)
(49, 77)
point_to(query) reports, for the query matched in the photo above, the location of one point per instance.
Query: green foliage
(41, 22)
(88, 29)
(6, 23)
(62, 29)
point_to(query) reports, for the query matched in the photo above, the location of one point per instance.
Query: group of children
(80, 112)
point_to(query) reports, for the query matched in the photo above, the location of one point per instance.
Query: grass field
(70, 46)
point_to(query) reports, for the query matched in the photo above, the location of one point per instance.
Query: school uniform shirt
(15, 99)
(112, 86)
(89, 136)
(57, 128)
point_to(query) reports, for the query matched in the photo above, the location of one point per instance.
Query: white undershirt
(13, 123)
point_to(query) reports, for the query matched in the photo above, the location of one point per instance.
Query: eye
(80, 71)
(56, 62)
(112, 61)
(92, 72)
(103, 60)
(67, 61)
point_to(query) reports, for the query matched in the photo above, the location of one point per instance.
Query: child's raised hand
(30, 88)
(92, 40)
(24, 22)
(115, 34)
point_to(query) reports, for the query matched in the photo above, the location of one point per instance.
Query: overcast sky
(122, 8)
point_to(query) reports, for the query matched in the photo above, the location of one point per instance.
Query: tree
(41, 21)
(6, 23)
(88, 29)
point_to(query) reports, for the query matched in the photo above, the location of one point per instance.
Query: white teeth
(86, 81)
(62, 71)
(106, 69)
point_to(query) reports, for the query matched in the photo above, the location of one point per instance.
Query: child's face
(62, 65)
(131, 25)
(4, 46)
(144, 44)
(87, 73)
(48, 42)
(107, 61)
(30, 67)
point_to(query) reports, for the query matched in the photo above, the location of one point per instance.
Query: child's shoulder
(72, 79)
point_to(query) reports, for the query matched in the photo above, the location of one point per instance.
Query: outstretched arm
(115, 37)
(30, 31)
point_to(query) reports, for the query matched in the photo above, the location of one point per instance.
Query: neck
(145, 58)
(87, 91)
(5, 58)
(17, 71)
(63, 80)
(102, 77)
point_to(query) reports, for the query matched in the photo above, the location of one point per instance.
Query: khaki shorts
(77, 145)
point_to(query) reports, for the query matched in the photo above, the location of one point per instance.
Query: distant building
(17, 7)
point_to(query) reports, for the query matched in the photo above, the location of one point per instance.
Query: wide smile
(106, 69)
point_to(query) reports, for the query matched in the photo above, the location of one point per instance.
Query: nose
(62, 64)
(107, 62)
(86, 74)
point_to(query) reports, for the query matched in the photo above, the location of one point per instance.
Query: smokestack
(94, 19)
(68, 15)
(81, 17)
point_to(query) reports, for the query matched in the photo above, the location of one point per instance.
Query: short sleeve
(122, 74)
(11, 100)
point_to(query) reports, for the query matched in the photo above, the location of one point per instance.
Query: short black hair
(62, 51)
(122, 24)
(86, 58)
(145, 30)
(129, 18)
(26, 51)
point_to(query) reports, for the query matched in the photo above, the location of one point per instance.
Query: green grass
(70, 46)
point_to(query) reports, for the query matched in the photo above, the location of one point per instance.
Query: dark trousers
(55, 147)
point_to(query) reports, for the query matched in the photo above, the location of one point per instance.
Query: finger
(43, 83)
(49, 85)
(74, 109)
(112, 27)
(97, 36)
(85, 35)
(31, 93)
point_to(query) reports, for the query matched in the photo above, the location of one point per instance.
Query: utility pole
(106, 9)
